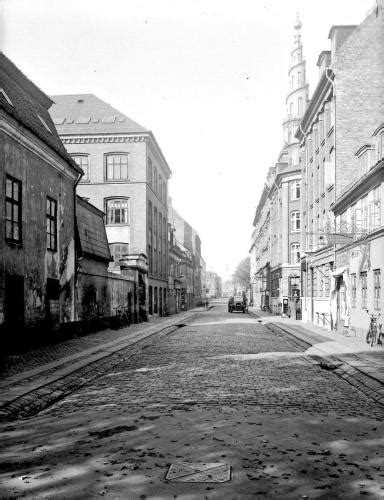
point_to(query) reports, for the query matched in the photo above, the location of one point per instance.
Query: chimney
(338, 35)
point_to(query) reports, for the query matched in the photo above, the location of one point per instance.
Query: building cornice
(319, 96)
(364, 239)
(116, 138)
(359, 188)
(26, 139)
(100, 139)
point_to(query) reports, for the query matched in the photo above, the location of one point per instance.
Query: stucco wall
(31, 259)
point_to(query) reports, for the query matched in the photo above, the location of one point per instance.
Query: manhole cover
(195, 472)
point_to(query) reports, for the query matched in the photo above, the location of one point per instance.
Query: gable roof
(92, 237)
(26, 103)
(87, 114)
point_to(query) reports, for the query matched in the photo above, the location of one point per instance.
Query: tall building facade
(126, 176)
(346, 107)
(275, 248)
(187, 238)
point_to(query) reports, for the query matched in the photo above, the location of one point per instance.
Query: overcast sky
(208, 77)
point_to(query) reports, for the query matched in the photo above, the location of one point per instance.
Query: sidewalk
(353, 359)
(32, 380)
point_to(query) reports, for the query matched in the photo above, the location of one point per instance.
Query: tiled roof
(87, 114)
(25, 102)
(91, 231)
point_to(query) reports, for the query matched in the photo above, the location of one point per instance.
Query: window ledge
(14, 243)
(117, 181)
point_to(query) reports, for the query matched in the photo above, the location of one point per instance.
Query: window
(117, 211)
(377, 288)
(363, 281)
(353, 290)
(295, 190)
(13, 210)
(295, 253)
(44, 123)
(164, 192)
(149, 171)
(300, 107)
(295, 222)
(83, 163)
(116, 167)
(160, 188)
(53, 289)
(51, 224)
(294, 286)
(155, 180)
(118, 250)
(375, 209)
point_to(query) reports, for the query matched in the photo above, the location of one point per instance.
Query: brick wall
(359, 71)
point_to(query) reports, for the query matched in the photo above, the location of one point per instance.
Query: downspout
(74, 234)
(335, 150)
(333, 320)
(306, 260)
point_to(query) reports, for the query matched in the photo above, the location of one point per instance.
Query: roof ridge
(26, 83)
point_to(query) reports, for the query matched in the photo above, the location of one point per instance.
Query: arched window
(295, 221)
(117, 211)
(295, 253)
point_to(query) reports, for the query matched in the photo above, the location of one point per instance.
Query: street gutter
(361, 376)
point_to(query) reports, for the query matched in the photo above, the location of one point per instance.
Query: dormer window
(44, 123)
(6, 97)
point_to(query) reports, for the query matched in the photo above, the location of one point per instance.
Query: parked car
(237, 303)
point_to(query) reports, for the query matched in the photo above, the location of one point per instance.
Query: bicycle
(122, 316)
(374, 334)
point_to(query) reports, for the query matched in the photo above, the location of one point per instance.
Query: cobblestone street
(223, 389)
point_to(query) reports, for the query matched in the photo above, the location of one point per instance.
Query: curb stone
(364, 382)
